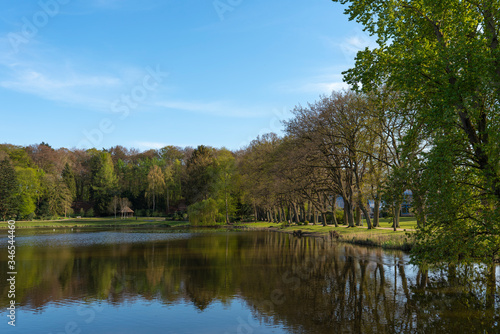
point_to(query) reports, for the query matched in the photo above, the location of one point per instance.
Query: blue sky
(150, 73)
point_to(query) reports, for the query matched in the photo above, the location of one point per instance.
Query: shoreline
(363, 238)
(381, 237)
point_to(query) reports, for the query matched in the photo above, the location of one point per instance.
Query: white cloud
(216, 108)
(51, 77)
(330, 80)
(74, 88)
(322, 87)
(144, 145)
(357, 41)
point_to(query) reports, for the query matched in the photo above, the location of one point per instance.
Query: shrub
(203, 213)
(89, 213)
(339, 214)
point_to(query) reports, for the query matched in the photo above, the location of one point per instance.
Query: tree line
(342, 146)
(39, 181)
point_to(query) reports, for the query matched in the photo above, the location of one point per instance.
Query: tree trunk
(359, 222)
(309, 209)
(419, 207)
(168, 201)
(491, 286)
(323, 216)
(348, 213)
(376, 213)
(395, 220)
(227, 208)
(334, 218)
(334, 210)
(362, 206)
(295, 212)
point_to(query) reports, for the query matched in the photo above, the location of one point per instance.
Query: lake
(146, 281)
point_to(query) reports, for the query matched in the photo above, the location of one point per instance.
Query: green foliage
(8, 183)
(339, 214)
(103, 180)
(89, 213)
(69, 179)
(28, 191)
(203, 213)
(199, 184)
(55, 199)
(443, 59)
(155, 184)
(224, 183)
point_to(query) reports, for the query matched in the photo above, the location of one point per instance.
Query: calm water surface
(251, 282)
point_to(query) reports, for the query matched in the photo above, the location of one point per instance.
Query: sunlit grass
(380, 237)
(98, 222)
(404, 222)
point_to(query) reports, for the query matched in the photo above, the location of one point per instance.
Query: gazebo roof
(126, 210)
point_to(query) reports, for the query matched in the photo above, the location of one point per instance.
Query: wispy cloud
(322, 87)
(74, 88)
(145, 145)
(74, 82)
(216, 108)
(320, 84)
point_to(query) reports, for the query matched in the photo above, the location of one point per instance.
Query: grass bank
(98, 222)
(384, 236)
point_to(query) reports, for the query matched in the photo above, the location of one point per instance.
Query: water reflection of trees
(310, 285)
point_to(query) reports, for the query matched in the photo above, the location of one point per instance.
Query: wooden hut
(127, 212)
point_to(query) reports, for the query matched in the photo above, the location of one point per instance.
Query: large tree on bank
(8, 185)
(443, 57)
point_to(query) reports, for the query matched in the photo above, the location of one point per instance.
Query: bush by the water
(89, 213)
(203, 213)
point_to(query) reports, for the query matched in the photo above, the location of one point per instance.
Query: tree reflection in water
(309, 285)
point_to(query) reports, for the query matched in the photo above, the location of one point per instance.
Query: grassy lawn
(98, 222)
(380, 237)
(408, 223)
(404, 222)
